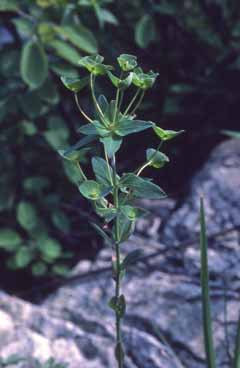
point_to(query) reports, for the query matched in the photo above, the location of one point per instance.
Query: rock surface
(162, 327)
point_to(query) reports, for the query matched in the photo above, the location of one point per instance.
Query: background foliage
(194, 45)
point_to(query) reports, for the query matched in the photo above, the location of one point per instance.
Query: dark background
(194, 45)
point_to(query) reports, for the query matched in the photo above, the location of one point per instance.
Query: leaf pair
(111, 134)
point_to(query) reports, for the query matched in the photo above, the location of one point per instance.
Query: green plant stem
(116, 105)
(81, 171)
(80, 109)
(140, 170)
(138, 104)
(118, 264)
(108, 165)
(94, 97)
(132, 102)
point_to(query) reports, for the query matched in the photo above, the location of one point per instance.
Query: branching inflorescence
(113, 195)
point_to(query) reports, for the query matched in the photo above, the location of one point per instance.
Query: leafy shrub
(40, 40)
(194, 44)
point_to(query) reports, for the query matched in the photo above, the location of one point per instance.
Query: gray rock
(219, 183)
(163, 323)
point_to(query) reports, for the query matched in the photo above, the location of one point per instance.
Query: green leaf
(75, 84)
(9, 239)
(39, 269)
(112, 144)
(90, 189)
(60, 270)
(145, 31)
(166, 9)
(64, 70)
(29, 128)
(126, 126)
(88, 129)
(65, 51)
(120, 83)
(36, 184)
(72, 172)
(27, 215)
(48, 92)
(127, 62)
(132, 213)
(131, 258)
(142, 188)
(74, 153)
(102, 233)
(101, 128)
(103, 103)
(33, 64)
(231, 133)
(23, 257)
(105, 16)
(102, 172)
(46, 31)
(125, 227)
(118, 305)
(50, 249)
(24, 26)
(166, 135)
(61, 221)
(58, 133)
(32, 105)
(80, 37)
(157, 159)
(207, 321)
(9, 5)
(107, 213)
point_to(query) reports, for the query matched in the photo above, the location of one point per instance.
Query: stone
(219, 182)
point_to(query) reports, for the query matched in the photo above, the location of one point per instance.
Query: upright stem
(139, 103)
(92, 78)
(132, 102)
(118, 265)
(80, 109)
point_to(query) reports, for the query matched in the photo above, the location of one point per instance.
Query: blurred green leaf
(23, 257)
(81, 37)
(50, 249)
(9, 239)
(65, 51)
(39, 269)
(34, 64)
(61, 221)
(27, 215)
(9, 5)
(145, 31)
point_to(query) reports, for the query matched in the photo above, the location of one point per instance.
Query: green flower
(94, 64)
(143, 80)
(127, 62)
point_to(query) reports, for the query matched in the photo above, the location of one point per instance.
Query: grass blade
(236, 361)
(206, 308)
